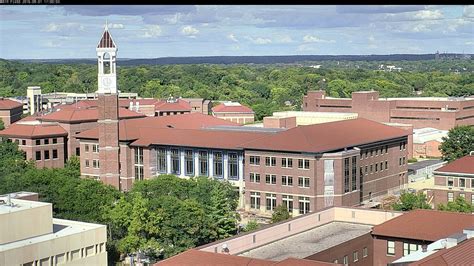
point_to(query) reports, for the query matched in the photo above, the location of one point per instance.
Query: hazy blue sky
(160, 31)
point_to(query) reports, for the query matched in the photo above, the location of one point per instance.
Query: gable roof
(464, 165)
(7, 104)
(461, 254)
(328, 136)
(429, 225)
(84, 115)
(33, 131)
(106, 41)
(231, 108)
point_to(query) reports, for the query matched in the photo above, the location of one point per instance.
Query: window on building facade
(371, 168)
(381, 166)
(367, 154)
(462, 182)
(303, 181)
(376, 167)
(376, 152)
(139, 172)
(255, 200)
(95, 164)
(46, 141)
(386, 148)
(46, 155)
(55, 154)
(345, 260)
(366, 169)
(450, 196)
(365, 252)
(354, 173)
(450, 181)
(303, 164)
(233, 166)
(270, 179)
(410, 248)
(254, 177)
(271, 201)
(189, 162)
(95, 148)
(23, 142)
(87, 164)
(400, 161)
(355, 256)
(55, 140)
(390, 248)
(86, 147)
(254, 160)
(38, 155)
(161, 160)
(203, 163)
(78, 151)
(138, 158)
(270, 161)
(287, 162)
(38, 142)
(386, 165)
(346, 175)
(218, 164)
(288, 202)
(371, 153)
(175, 161)
(304, 204)
(404, 161)
(286, 180)
(472, 183)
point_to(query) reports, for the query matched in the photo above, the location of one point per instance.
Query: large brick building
(234, 112)
(455, 179)
(436, 112)
(10, 111)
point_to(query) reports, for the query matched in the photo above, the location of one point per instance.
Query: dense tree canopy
(266, 88)
(458, 143)
(458, 205)
(410, 201)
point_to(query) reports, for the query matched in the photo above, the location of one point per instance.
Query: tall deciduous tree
(458, 143)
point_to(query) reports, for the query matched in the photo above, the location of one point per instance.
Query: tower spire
(106, 24)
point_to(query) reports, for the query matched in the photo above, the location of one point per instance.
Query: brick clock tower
(108, 120)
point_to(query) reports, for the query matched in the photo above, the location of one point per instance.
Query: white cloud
(189, 31)
(314, 39)
(428, 14)
(469, 43)
(232, 37)
(152, 31)
(259, 40)
(283, 39)
(63, 27)
(116, 26)
(308, 47)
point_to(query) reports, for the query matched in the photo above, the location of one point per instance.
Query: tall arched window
(106, 63)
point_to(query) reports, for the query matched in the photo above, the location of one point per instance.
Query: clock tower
(107, 107)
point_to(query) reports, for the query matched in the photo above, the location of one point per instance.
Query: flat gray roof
(422, 164)
(309, 242)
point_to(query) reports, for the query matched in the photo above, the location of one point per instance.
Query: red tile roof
(429, 225)
(328, 136)
(33, 131)
(7, 104)
(129, 129)
(461, 254)
(195, 257)
(223, 108)
(84, 115)
(464, 165)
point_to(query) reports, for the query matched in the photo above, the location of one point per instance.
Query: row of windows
(355, 256)
(285, 180)
(407, 248)
(45, 141)
(374, 152)
(95, 164)
(462, 195)
(73, 255)
(461, 182)
(203, 163)
(350, 174)
(95, 148)
(46, 155)
(402, 161)
(369, 169)
(287, 201)
(285, 162)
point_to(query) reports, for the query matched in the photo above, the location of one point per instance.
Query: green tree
(458, 205)
(458, 143)
(410, 201)
(280, 213)
(2, 125)
(251, 225)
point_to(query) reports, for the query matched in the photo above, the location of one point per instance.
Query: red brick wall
(30, 148)
(380, 249)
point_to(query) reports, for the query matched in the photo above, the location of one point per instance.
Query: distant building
(282, 119)
(234, 112)
(437, 112)
(30, 236)
(10, 111)
(426, 142)
(455, 179)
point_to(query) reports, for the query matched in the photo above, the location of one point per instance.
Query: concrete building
(234, 112)
(304, 118)
(426, 142)
(10, 111)
(436, 112)
(415, 230)
(50, 241)
(455, 179)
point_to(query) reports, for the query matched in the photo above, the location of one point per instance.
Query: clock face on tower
(106, 82)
